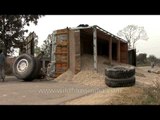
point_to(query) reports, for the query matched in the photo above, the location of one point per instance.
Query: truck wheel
(119, 72)
(24, 66)
(36, 71)
(38, 66)
(120, 82)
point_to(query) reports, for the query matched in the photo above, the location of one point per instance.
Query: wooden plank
(110, 50)
(118, 51)
(71, 51)
(95, 48)
(62, 31)
(124, 53)
(77, 52)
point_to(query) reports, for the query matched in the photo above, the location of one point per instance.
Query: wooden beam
(95, 48)
(53, 49)
(110, 50)
(53, 46)
(118, 51)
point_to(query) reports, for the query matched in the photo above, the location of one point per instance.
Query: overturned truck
(68, 46)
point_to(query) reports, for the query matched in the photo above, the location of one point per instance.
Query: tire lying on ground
(119, 72)
(124, 82)
(24, 67)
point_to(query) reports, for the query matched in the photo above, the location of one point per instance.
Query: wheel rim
(22, 65)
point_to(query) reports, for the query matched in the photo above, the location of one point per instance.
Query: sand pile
(87, 75)
(66, 76)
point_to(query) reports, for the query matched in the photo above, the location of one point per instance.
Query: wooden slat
(110, 50)
(118, 51)
(95, 47)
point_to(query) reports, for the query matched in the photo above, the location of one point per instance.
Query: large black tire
(23, 67)
(37, 72)
(120, 82)
(119, 72)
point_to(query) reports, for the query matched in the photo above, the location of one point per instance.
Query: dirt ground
(108, 96)
(14, 91)
(40, 92)
(89, 77)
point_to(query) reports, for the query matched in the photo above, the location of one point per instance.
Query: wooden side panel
(124, 53)
(77, 52)
(132, 57)
(74, 43)
(62, 52)
(71, 51)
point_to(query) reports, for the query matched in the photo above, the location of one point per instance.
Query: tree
(46, 47)
(142, 58)
(12, 30)
(133, 33)
(152, 58)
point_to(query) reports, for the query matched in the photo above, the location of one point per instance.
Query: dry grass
(139, 96)
(129, 96)
(151, 95)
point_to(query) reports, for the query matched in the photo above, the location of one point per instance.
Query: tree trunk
(3, 38)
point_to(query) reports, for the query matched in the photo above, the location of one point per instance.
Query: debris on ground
(155, 70)
(87, 75)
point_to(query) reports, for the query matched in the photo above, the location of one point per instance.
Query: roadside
(135, 95)
(69, 92)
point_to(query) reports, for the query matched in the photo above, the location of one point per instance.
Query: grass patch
(151, 95)
(139, 96)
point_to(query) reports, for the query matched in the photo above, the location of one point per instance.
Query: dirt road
(50, 92)
(17, 92)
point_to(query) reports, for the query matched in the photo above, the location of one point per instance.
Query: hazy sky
(112, 23)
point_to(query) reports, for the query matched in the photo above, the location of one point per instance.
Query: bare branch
(133, 33)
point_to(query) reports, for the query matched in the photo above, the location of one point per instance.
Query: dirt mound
(87, 75)
(66, 76)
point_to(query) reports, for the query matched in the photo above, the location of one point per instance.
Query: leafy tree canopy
(12, 30)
